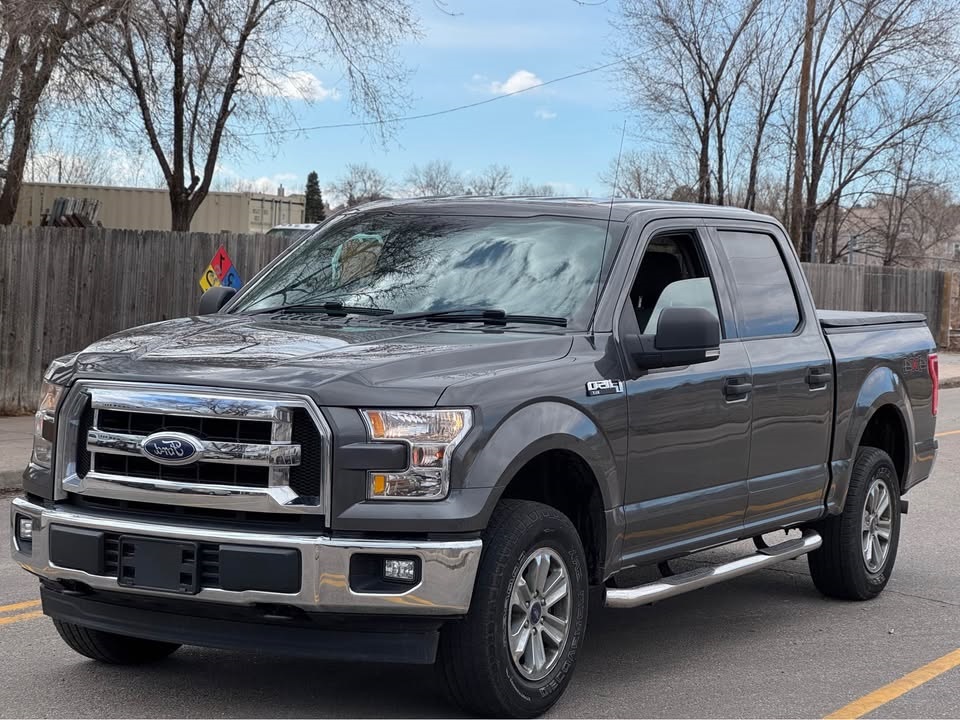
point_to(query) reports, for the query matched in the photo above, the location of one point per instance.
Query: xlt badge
(604, 387)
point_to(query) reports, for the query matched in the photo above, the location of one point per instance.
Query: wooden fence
(884, 289)
(61, 289)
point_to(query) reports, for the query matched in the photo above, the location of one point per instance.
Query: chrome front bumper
(448, 569)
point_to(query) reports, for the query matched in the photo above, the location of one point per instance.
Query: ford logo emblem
(171, 448)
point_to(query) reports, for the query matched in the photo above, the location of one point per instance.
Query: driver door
(689, 427)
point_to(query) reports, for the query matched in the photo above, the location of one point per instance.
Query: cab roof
(580, 207)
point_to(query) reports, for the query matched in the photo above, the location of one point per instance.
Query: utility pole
(797, 209)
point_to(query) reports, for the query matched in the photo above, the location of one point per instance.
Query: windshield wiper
(335, 308)
(488, 316)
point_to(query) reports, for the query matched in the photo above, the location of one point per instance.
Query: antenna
(606, 235)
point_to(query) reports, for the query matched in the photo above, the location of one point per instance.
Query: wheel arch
(555, 453)
(879, 418)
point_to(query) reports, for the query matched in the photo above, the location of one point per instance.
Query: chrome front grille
(255, 452)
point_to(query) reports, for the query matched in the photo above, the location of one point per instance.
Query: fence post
(946, 295)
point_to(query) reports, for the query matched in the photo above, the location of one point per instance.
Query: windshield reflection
(418, 263)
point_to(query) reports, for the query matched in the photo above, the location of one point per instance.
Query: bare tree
(361, 183)
(640, 176)
(434, 179)
(531, 189)
(74, 158)
(196, 73)
(492, 180)
(775, 49)
(684, 64)
(33, 36)
(884, 73)
(915, 212)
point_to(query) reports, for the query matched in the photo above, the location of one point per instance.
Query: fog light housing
(23, 534)
(400, 569)
(24, 528)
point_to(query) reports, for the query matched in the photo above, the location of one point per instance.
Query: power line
(435, 113)
(445, 111)
(467, 106)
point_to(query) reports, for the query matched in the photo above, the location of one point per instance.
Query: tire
(111, 648)
(474, 656)
(841, 567)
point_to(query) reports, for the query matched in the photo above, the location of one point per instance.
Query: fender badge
(604, 387)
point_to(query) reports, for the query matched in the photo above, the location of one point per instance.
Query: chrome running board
(705, 576)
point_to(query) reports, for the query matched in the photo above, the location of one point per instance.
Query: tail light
(933, 365)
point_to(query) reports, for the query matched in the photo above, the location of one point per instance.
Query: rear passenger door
(792, 399)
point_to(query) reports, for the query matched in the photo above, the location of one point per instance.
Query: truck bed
(834, 319)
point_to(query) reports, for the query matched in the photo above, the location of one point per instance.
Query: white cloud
(267, 185)
(228, 179)
(519, 81)
(544, 114)
(296, 85)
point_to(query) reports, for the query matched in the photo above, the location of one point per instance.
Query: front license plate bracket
(152, 564)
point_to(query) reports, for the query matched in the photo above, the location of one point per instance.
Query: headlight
(43, 423)
(432, 436)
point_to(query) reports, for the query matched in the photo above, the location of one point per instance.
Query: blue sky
(564, 134)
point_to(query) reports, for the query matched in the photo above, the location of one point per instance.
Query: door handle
(818, 377)
(736, 388)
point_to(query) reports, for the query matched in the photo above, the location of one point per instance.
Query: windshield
(287, 233)
(419, 263)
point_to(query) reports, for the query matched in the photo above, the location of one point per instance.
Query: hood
(336, 362)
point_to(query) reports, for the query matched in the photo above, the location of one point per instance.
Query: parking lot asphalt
(765, 645)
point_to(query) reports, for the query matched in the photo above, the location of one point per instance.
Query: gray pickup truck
(436, 431)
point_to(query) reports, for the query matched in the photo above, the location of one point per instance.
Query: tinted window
(418, 262)
(768, 305)
(673, 273)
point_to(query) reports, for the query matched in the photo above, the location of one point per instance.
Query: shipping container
(128, 208)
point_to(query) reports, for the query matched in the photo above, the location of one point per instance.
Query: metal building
(130, 208)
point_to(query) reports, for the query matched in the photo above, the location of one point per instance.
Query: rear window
(768, 303)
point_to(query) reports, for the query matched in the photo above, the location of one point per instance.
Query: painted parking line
(20, 617)
(870, 702)
(948, 432)
(19, 606)
(8, 619)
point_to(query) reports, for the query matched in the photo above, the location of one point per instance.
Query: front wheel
(860, 545)
(111, 648)
(514, 653)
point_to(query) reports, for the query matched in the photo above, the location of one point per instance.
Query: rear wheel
(860, 545)
(112, 648)
(514, 653)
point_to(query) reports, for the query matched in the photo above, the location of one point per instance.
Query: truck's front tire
(514, 653)
(860, 545)
(111, 648)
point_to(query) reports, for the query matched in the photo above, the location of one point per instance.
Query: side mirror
(215, 298)
(685, 336)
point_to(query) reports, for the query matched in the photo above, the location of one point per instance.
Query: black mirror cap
(687, 328)
(215, 298)
(685, 336)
